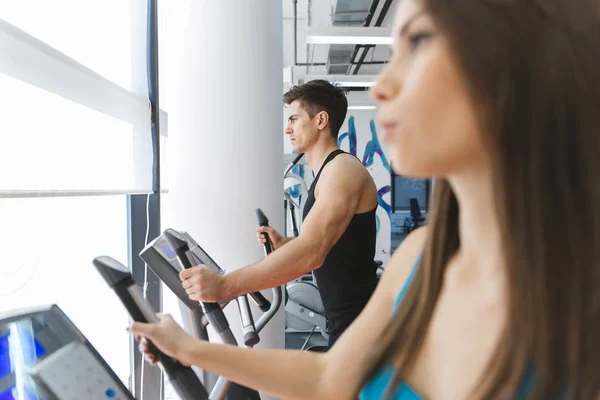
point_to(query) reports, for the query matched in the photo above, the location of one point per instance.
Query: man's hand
(276, 239)
(202, 284)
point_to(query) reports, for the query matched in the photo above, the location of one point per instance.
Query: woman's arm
(286, 374)
(293, 374)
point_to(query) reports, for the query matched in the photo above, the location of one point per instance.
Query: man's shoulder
(345, 164)
(344, 175)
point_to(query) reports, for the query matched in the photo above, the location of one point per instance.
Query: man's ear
(322, 120)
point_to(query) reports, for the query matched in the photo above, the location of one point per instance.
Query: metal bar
(137, 215)
(143, 220)
(21, 194)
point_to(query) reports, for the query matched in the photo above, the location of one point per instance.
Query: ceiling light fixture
(349, 35)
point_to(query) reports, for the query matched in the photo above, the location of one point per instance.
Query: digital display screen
(168, 250)
(4, 359)
(25, 340)
(12, 394)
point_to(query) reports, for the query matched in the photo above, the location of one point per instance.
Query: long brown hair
(534, 65)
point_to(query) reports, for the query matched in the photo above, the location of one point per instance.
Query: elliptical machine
(167, 255)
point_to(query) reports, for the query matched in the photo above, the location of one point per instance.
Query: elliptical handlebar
(185, 382)
(277, 292)
(212, 311)
(293, 163)
(264, 221)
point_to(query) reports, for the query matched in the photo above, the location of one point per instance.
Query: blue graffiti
(351, 135)
(372, 148)
(380, 193)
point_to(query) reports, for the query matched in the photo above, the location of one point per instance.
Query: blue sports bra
(376, 388)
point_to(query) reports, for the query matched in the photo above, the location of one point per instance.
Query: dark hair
(320, 95)
(532, 66)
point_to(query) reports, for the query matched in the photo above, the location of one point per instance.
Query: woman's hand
(166, 335)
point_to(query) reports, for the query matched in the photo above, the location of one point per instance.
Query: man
(338, 234)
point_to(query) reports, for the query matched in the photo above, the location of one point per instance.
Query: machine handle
(293, 163)
(213, 311)
(117, 276)
(261, 301)
(264, 221)
(182, 249)
(250, 335)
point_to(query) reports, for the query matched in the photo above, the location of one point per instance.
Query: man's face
(301, 129)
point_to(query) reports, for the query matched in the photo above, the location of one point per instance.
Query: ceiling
(335, 59)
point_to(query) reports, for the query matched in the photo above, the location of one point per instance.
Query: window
(48, 245)
(66, 146)
(75, 140)
(403, 189)
(101, 35)
(79, 120)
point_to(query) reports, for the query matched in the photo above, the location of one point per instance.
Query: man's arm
(276, 239)
(339, 195)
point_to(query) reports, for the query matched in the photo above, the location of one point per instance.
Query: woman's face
(427, 115)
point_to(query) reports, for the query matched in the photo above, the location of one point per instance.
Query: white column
(222, 88)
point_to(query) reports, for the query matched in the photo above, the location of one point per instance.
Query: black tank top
(347, 278)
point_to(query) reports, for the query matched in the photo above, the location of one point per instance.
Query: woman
(500, 296)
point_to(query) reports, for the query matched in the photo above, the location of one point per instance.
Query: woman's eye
(418, 39)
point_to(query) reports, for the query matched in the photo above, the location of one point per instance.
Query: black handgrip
(298, 157)
(264, 221)
(184, 380)
(188, 386)
(294, 162)
(180, 246)
(117, 276)
(260, 301)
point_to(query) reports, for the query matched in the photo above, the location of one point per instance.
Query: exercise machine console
(43, 356)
